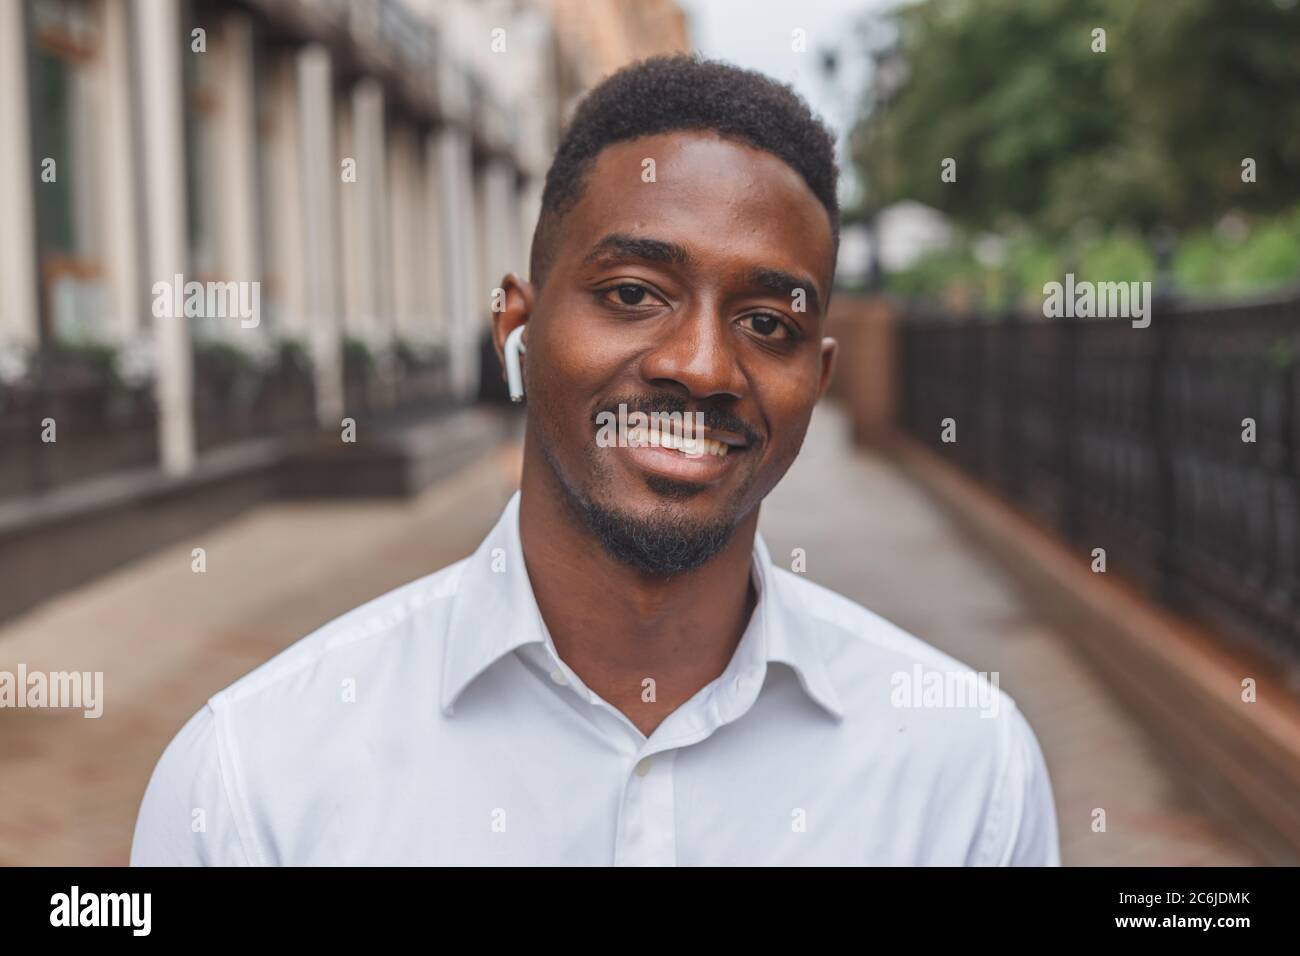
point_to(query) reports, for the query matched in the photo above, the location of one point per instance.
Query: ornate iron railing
(1136, 441)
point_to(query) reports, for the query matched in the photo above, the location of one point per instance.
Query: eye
(628, 293)
(767, 326)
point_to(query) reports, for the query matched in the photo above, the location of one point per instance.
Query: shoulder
(852, 637)
(188, 815)
(389, 621)
(368, 661)
(951, 730)
(196, 808)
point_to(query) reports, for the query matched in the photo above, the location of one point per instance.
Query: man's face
(702, 291)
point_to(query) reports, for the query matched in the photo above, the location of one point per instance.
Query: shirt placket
(646, 831)
(647, 821)
(647, 817)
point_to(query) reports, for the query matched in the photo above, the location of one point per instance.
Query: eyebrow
(775, 280)
(620, 246)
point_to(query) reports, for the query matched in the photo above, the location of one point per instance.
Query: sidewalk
(876, 538)
(166, 638)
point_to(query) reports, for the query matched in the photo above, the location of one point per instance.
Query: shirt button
(643, 767)
(558, 677)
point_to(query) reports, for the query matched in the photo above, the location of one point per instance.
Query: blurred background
(1106, 515)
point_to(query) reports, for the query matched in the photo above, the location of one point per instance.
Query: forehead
(728, 203)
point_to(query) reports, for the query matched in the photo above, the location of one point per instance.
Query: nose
(699, 355)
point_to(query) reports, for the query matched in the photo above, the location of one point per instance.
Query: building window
(272, 153)
(65, 48)
(202, 115)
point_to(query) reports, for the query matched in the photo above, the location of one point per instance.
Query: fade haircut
(684, 92)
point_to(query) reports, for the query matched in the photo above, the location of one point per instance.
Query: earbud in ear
(514, 373)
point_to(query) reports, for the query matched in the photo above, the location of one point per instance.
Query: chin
(659, 537)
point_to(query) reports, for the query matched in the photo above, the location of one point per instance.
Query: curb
(1182, 680)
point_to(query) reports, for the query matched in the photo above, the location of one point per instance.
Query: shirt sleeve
(1022, 830)
(186, 818)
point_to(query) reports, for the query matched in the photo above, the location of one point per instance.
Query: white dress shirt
(437, 725)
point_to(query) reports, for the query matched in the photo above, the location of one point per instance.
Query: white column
(285, 219)
(407, 238)
(320, 173)
(485, 232)
(494, 189)
(451, 241)
(503, 227)
(354, 269)
(117, 174)
(364, 236)
(530, 210)
(372, 225)
(434, 264)
(236, 168)
(19, 322)
(459, 240)
(160, 50)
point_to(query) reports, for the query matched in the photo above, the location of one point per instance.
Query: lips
(670, 463)
(693, 446)
(659, 436)
(669, 454)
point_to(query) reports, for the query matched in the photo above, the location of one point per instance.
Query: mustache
(668, 403)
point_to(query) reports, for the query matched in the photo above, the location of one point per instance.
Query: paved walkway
(872, 535)
(167, 638)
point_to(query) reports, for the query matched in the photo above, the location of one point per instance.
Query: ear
(517, 309)
(830, 349)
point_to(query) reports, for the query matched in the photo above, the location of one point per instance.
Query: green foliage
(414, 356)
(1047, 133)
(88, 363)
(1271, 252)
(1266, 255)
(357, 355)
(231, 373)
(1121, 257)
(292, 356)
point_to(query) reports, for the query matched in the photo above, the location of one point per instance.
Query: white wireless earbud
(514, 373)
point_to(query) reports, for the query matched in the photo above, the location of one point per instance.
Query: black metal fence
(1137, 441)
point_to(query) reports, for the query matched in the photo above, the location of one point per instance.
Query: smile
(694, 445)
(666, 454)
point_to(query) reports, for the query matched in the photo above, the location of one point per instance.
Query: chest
(716, 803)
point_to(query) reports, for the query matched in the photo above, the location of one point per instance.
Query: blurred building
(232, 222)
(374, 165)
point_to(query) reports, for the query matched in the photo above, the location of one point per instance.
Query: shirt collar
(791, 633)
(494, 613)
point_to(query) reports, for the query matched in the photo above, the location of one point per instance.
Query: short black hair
(685, 92)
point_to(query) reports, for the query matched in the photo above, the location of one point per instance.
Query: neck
(615, 626)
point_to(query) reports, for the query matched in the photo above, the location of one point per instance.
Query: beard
(661, 543)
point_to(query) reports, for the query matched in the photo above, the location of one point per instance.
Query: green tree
(1048, 132)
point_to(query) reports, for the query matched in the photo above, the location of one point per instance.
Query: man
(620, 674)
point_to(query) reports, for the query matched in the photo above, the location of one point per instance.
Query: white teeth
(695, 445)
